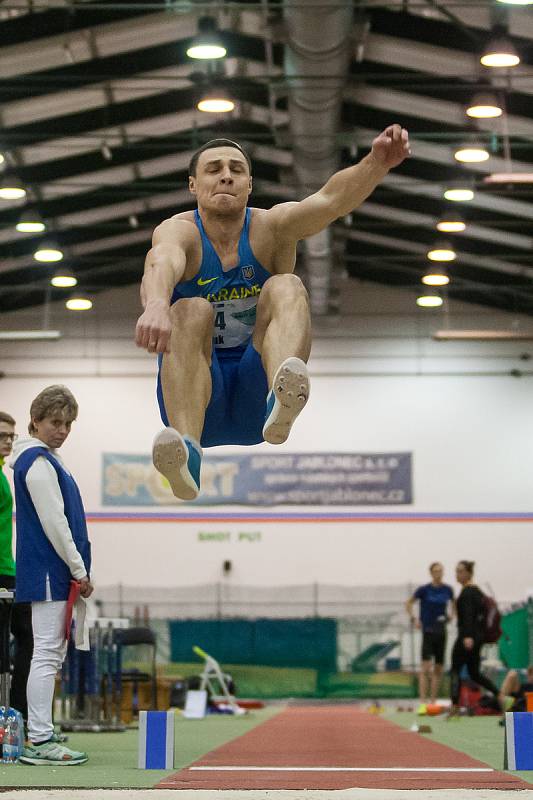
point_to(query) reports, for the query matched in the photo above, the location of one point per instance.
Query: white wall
(379, 384)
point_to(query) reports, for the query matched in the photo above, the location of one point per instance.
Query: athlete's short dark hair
(216, 143)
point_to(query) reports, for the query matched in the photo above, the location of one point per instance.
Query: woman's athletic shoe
(58, 737)
(289, 394)
(52, 753)
(178, 458)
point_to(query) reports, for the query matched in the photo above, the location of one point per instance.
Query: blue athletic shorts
(236, 411)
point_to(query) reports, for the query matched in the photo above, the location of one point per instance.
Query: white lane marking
(341, 769)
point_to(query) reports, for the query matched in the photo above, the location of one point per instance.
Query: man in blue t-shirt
(436, 604)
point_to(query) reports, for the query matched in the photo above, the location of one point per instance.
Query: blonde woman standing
(52, 550)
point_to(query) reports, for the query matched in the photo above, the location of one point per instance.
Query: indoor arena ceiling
(98, 122)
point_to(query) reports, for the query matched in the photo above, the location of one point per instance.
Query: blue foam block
(519, 740)
(156, 740)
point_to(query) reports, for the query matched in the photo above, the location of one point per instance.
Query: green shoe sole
(45, 762)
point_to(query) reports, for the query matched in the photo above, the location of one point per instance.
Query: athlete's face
(52, 430)
(437, 571)
(222, 183)
(7, 436)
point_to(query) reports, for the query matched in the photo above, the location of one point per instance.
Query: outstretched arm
(344, 191)
(164, 267)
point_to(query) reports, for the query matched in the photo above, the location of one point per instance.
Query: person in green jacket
(21, 612)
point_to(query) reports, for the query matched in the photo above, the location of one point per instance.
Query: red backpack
(491, 620)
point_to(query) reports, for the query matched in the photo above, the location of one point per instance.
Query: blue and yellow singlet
(233, 293)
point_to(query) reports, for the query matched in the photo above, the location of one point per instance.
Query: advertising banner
(317, 479)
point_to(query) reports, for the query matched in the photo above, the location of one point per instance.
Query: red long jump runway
(336, 747)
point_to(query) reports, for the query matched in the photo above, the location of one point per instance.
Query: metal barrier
(364, 614)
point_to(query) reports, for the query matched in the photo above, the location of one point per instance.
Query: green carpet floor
(366, 685)
(256, 681)
(113, 756)
(479, 737)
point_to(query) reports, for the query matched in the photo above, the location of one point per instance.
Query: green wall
(271, 642)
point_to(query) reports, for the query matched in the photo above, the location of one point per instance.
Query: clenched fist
(154, 328)
(86, 587)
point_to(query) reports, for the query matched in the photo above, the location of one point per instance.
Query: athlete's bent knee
(192, 311)
(287, 283)
(192, 324)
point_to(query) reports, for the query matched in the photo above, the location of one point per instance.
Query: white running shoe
(289, 394)
(178, 458)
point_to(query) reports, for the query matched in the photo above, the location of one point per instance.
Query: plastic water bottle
(19, 732)
(10, 747)
(2, 725)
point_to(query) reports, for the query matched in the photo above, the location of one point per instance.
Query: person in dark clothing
(470, 636)
(436, 609)
(21, 627)
(514, 689)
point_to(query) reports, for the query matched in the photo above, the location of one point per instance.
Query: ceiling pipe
(317, 55)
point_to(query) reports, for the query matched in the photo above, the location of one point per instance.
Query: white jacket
(43, 487)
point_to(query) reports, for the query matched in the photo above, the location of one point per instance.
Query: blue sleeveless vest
(233, 293)
(36, 558)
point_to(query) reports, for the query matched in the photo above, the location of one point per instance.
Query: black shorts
(433, 646)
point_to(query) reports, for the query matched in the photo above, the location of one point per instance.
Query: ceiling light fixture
(429, 300)
(500, 52)
(509, 177)
(216, 101)
(482, 335)
(442, 252)
(451, 223)
(517, 2)
(436, 276)
(79, 302)
(484, 105)
(207, 44)
(11, 188)
(30, 222)
(48, 252)
(64, 279)
(461, 195)
(471, 153)
(16, 336)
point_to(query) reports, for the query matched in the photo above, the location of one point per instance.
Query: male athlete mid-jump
(225, 313)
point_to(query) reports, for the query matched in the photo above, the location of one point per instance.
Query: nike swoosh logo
(201, 282)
